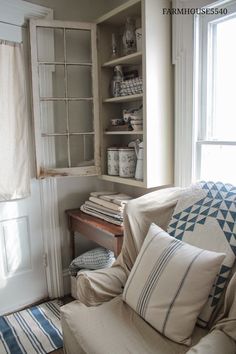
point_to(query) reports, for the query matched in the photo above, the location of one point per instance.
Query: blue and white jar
(113, 161)
(127, 162)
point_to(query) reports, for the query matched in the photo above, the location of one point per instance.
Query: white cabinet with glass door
(73, 105)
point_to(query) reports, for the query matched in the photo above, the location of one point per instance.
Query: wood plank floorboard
(58, 351)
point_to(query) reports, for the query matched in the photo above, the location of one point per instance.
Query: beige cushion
(114, 328)
(170, 282)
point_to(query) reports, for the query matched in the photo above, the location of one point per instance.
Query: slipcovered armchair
(101, 322)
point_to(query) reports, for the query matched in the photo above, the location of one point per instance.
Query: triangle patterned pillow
(205, 217)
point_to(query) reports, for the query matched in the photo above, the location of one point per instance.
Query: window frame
(204, 60)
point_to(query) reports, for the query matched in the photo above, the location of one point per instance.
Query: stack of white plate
(136, 121)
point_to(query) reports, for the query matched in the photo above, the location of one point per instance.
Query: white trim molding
(15, 13)
(183, 59)
(52, 240)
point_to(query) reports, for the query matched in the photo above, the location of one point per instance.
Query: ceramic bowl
(117, 121)
(134, 116)
(136, 126)
(136, 121)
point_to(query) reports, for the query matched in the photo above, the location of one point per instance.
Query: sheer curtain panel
(14, 155)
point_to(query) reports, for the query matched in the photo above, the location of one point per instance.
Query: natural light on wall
(216, 142)
(224, 110)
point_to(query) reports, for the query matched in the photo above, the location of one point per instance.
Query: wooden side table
(102, 232)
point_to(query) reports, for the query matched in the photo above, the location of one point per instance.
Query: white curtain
(14, 155)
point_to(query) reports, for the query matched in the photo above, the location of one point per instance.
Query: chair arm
(98, 286)
(216, 342)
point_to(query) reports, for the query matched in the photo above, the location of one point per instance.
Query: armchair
(100, 322)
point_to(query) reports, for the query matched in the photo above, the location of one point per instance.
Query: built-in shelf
(63, 63)
(131, 59)
(129, 132)
(128, 181)
(66, 98)
(124, 98)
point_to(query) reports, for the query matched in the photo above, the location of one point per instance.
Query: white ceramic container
(139, 165)
(127, 162)
(137, 126)
(138, 34)
(113, 161)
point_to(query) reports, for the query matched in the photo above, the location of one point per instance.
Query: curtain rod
(13, 24)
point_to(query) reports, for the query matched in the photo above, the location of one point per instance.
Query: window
(215, 106)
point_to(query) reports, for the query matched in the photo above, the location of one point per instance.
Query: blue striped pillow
(171, 280)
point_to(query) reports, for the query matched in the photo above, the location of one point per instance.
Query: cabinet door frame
(47, 154)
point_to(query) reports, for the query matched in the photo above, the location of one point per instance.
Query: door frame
(21, 11)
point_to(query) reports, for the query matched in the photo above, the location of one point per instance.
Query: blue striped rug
(33, 330)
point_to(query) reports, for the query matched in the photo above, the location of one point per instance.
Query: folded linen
(117, 198)
(103, 210)
(98, 194)
(106, 204)
(99, 215)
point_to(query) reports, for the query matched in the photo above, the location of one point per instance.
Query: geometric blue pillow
(205, 217)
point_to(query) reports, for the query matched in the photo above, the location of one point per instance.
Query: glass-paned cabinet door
(65, 97)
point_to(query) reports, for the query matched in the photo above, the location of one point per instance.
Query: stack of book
(108, 206)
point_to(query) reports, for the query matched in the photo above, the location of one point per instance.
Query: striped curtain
(14, 155)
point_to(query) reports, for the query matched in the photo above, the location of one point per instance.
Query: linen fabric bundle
(170, 282)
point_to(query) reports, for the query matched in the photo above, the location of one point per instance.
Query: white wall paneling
(183, 61)
(15, 236)
(52, 240)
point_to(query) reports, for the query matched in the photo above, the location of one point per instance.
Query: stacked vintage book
(108, 206)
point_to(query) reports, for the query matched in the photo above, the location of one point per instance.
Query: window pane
(79, 81)
(78, 46)
(82, 150)
(53, 117)
(224, 79)
(54, 51)
(52, 81)
(80, 116)
(59, 150)
(218, 163)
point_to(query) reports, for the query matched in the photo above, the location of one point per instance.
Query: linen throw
(205, 216)
(14, 154)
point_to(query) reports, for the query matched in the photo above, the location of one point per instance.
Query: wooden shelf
(63, 63)
(124, 98)
(128, 181)
(129, 132)
(131, 59)
(117, 16)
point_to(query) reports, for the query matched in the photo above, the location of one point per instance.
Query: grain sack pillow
(205, 217)
(97, 258)
(170, 283)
